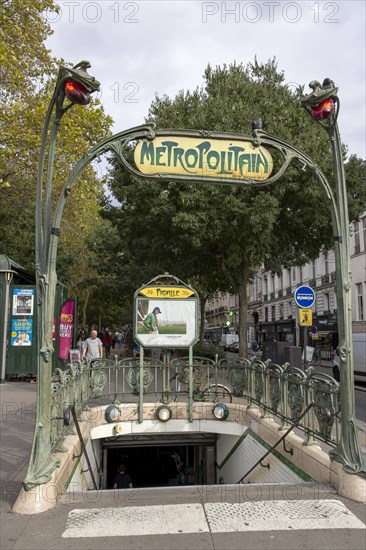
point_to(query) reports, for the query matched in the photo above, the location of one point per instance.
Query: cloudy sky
(145, 47)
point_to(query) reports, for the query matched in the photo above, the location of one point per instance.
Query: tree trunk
(100, 320)
(203, 300)
(85, 307)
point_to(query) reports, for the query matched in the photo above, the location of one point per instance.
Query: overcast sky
(145, 47)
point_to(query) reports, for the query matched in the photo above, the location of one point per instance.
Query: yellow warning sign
(306, 317)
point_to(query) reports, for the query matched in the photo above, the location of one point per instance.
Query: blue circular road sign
(304, 296)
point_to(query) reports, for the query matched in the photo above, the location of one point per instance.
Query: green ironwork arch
(41, 463)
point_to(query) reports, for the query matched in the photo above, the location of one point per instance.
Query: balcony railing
(288, 290)
(312, 283)
(325, 279)
(279, 391)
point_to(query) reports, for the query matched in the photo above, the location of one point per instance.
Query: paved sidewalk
(271, 516)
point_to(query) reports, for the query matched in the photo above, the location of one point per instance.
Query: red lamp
(323, 110)
(76, 92)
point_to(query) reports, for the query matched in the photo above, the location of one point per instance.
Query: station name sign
(192, 156)
(167, 292)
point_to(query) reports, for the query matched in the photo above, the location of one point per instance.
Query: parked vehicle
(234, 347)
(227, 340)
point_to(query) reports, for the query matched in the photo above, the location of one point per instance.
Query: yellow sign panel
(190, 156)
(306, 317)
(166, 292)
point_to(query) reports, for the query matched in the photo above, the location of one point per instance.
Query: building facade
(274, 316)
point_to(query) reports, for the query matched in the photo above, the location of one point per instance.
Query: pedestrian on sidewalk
(119, 338)
(107, 342)
(93, 348)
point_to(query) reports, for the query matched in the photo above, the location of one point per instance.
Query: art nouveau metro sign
(209, 158)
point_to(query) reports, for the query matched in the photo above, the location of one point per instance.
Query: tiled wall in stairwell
(236, 455)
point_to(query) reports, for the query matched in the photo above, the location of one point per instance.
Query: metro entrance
(147, 459)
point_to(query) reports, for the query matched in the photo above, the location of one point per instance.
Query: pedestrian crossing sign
(306, 317)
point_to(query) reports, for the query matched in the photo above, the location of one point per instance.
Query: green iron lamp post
(75, 85)
(323, 105)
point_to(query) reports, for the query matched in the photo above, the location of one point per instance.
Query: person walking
(122, 480)
(174, 469)
(107, 342)
(93, 348)
(119, 339)
(151, 321)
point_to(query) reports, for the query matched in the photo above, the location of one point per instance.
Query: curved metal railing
(279, 391)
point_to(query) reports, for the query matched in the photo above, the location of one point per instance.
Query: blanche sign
(224, 158)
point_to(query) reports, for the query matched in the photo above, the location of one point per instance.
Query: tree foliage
(28, 73)
(219, 236)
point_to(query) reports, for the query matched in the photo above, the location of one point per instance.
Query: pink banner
(66, 329)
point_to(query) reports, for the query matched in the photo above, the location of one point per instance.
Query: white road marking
(278, 515)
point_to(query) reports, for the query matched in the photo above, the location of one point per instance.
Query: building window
(281, 311)
(359, 294)
(356, 231)
(294, 273)
(326, 266)
(265, 285)
(266, 314)
(289, 277)
(273, 283)
(273, 313)
(314, 271)
(289, 310)
(280, 282)
(300, 270)
(255, 288)
(326, 303)
(364, 233)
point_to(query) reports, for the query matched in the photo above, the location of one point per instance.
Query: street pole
(8, 277)
(76, 85)
(323, 105)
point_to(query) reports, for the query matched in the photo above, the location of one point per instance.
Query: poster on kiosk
(166, 314)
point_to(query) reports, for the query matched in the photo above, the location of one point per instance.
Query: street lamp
(323, 105)
(76, 85)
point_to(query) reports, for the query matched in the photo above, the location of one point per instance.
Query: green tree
(28, 73)
(220, 236)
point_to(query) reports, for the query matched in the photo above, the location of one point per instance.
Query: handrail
(82, 444)
(278, 442)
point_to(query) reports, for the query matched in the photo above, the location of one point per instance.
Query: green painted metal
(42, 463)
(348, 451)
(190, 395)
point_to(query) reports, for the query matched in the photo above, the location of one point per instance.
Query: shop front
(324, 336)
